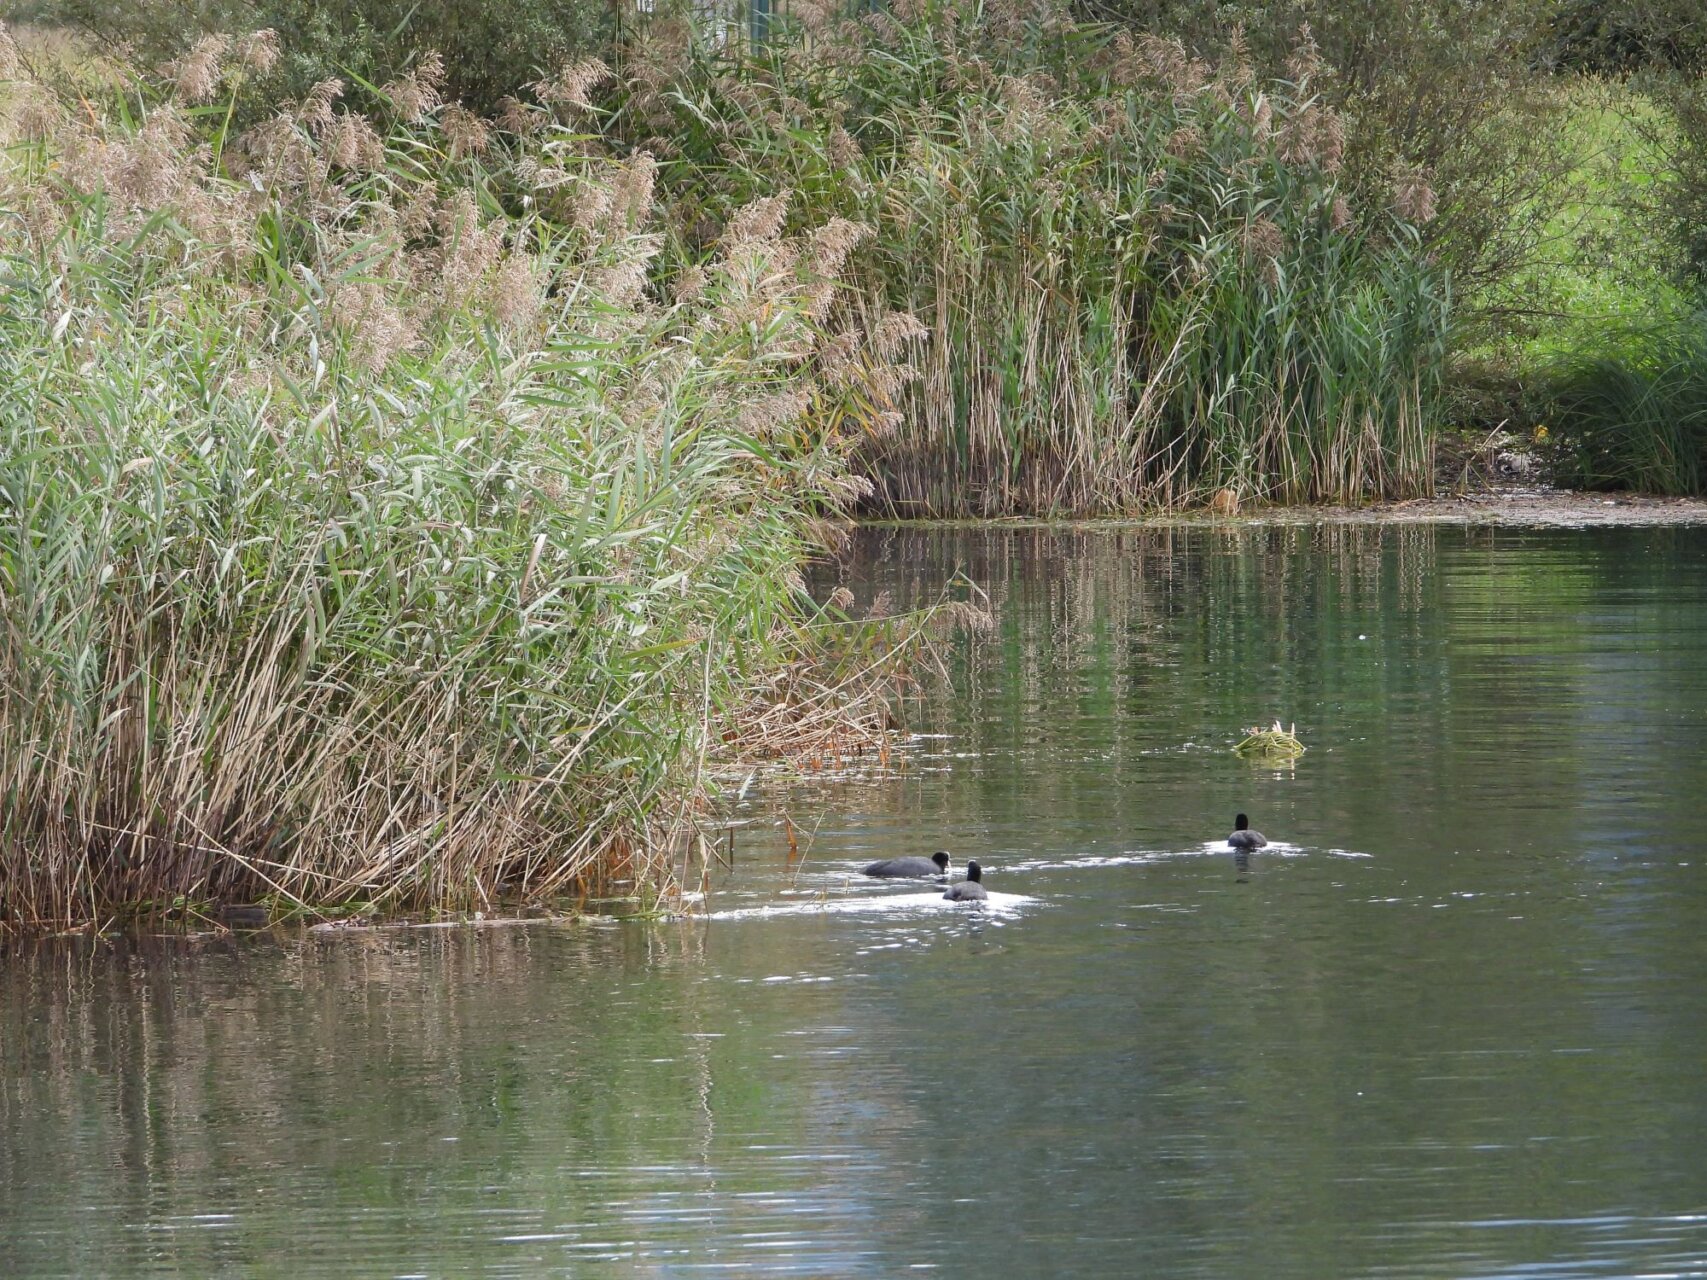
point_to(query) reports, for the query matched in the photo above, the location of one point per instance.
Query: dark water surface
(1453, 1024)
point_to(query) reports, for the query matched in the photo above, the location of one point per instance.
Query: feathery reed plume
(350, 142)
(757, 222)
(196, 75)
(418, 92)
(32, 113)
(1236, 69)
(573, 84)
(844, 152)
(1314, 135)
(1264, 245)
(895, 332)
(468, 248)
(373, 326)
(775, 414)
(1184, 142)
(690, 284)
(630, 204)
(416, 209)
(465, 133)
(1413, 197)
(833, 242)
(314, 112)
(515, 293)
(1305, 63)
(516, 116)
(258, 51)
(10, 63)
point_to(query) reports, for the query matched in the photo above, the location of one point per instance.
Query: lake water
(1453, 1022)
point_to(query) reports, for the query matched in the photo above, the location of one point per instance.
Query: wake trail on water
(888, 904)
(1143, 857)
(844, 892)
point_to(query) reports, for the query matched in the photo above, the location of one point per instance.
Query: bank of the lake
(1515, 507)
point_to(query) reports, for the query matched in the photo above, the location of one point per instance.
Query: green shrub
(1617, 37)
(1677, 206)
(1632, 412)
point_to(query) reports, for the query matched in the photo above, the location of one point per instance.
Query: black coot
(1243, 837)
(970, 889)
(911, 868)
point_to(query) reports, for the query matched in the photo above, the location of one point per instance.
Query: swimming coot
(970, 889)
(911, 868)
(1243, 837)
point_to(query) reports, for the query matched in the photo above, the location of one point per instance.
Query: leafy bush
(1678, 205)
(1632, 412)
(1617, 37)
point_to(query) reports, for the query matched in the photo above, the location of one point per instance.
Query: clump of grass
(1630, 412)
(1143, 278)
(371, 526)
(1272, 743)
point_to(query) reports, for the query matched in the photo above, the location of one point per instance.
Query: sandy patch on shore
(1553, 508)
(1534, 506)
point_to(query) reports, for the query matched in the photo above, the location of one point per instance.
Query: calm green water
(1454, 1024)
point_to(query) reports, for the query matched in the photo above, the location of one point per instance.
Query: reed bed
(1143, 278)
(372, 526)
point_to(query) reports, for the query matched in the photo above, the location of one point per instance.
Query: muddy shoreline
(1534, 506)
(1531, 506)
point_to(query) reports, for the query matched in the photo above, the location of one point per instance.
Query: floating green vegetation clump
(1273, 743)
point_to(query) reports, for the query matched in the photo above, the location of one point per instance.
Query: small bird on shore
(970, 889)
(1243, 838)
(911, 868)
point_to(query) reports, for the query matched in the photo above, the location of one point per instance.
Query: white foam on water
(1144, 857)
(888, 904)
(1273, 849)
(1092, 861)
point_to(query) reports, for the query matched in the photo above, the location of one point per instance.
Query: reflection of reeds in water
(1133, 612)
(162, 1018)
(368, 528)
(1121, 657)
